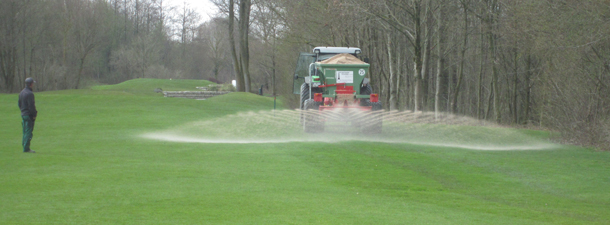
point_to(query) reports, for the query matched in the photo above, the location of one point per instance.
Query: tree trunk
(494, 61)
(490, 101)
(8, 67)
(417, 60)
(425, 77)
(528, 90)
(494, 78)
(456, 93)
(391, 82)
(439, 62)
(273, 63)
(236, 62)
(244, 25)
(480, 109)
(398, 74)
(80, 72)
(515, 92)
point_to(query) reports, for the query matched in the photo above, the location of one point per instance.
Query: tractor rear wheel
(376, 106)
(312, 121)
(304, 95)
(366, 90)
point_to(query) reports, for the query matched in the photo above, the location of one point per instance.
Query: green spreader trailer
(334, 88)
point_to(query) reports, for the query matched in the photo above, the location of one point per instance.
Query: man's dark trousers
(28, 128)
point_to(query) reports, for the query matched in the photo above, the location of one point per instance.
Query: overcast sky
(205, 8)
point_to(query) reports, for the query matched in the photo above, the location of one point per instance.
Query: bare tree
(414, 28)
(241, 58)
(86, 32)
(244, 32)
(463, 48)
(268, 27)
(215, 34)
(9, 31)
(440, 34)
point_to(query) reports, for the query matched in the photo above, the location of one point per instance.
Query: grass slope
(91, 168)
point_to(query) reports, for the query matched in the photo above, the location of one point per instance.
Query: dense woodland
(543, 63)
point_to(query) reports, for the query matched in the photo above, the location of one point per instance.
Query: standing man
(28, 113)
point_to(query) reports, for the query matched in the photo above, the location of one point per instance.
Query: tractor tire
(376, 106)
(304, 95)
(312, 121)
(366, 90)
(374, 124)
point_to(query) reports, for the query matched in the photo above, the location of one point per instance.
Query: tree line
(527, 63)
(69, 44)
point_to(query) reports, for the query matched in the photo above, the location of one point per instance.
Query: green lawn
(92, 166)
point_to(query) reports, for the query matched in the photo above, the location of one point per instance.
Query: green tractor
(334, 89)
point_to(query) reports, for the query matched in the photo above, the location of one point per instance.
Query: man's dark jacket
(26, 103)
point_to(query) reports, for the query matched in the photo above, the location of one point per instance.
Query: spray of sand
(427, 129)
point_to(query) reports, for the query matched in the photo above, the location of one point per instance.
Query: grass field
(93, 167)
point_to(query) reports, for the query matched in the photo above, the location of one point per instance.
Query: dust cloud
(285, 126)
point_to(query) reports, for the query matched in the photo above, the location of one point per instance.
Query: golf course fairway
(95, 165)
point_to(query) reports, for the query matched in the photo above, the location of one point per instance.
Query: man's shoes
(29, 151)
